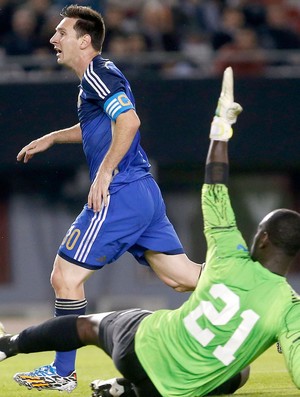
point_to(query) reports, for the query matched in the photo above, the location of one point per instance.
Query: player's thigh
(174, 269)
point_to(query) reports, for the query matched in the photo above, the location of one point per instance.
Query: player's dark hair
(283, 228)
(88, 21)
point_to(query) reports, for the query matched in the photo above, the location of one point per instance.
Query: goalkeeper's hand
(227, 110)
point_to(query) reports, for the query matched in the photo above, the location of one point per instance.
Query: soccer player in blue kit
(125, 210)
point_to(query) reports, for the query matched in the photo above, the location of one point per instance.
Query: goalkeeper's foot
(115, 387)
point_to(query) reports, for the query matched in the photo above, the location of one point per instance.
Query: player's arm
(290, 343)
(125, 124)
(67, 135)
(216, 207)
(124, 130)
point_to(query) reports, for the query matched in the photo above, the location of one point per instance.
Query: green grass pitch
(269, 377)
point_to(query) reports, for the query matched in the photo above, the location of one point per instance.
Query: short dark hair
(283, 228)
(89, 22)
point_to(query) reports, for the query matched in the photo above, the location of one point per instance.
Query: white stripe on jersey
(94, 80)
(113, 107)
(90, 81)
(91, 233)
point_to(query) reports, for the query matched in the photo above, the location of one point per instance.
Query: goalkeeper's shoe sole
(4, 343)
(46, 378)
(100, 388)
(115, 387)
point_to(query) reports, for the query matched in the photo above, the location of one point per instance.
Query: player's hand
(227, 110)
(99, 193)
(36, 146)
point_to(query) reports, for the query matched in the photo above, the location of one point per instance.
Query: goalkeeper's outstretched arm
(216, 170)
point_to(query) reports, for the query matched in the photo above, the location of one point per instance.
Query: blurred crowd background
(176, 38)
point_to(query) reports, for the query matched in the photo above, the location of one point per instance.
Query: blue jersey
(134, 219)
(104, 94)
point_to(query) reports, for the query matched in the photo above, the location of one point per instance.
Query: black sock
(59, 333)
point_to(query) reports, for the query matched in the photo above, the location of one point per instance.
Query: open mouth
(58, 51)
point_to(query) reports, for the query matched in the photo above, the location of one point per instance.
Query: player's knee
(87, 330)
(188, 284)
(61, 285)
(178, 287)
(66, 284)
(172, 283)
(55, 279)
(181, 288)
(232, 384)
(245, 373)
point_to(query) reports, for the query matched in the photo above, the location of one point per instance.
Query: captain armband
(117, 104)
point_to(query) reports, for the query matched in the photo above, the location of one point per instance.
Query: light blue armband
(117, 104)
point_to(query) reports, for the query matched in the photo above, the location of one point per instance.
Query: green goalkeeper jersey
(238, 310)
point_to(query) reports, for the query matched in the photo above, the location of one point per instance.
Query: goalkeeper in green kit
(242, 304)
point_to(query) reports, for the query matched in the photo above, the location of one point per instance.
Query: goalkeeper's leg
(232, 384)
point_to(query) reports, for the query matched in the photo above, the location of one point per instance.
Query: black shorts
(116, 336)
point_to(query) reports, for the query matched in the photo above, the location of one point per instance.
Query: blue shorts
(134, 220)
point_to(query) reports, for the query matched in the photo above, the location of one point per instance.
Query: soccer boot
(278, 347)
(7, 345)
(115, 387)
(46, 378)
